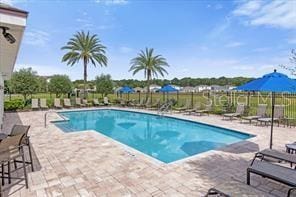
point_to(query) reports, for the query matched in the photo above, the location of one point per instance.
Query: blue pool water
(166, 139)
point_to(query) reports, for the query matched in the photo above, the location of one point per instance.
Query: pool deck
(90, 164)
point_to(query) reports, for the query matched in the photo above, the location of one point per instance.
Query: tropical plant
(60, 84)
(24, 81)
(87, 48)
(152, 65)
(104, 84)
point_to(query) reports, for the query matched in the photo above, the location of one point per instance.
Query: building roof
(14, 20)
(7, 9)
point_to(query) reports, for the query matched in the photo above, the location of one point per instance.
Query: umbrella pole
(272, 117)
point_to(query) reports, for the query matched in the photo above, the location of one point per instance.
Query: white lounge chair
(96, 102)
(261, 113)
(35, 104)
(106, 101)
(43, 104)
(278, 115)
(240, 109)
(57, 103)
(67, 103)
(78, 102)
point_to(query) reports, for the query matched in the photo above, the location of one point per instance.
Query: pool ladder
(164, 108)
(49, 112)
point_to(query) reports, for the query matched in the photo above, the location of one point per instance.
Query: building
(153, 88)
(12, 25)
(139, 89)
(217, 88)
(202, 88)
(188, 89)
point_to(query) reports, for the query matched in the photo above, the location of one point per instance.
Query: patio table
(291, 148)
(289, 122)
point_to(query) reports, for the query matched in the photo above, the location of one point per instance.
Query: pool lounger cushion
(272, 171)
(234, 188)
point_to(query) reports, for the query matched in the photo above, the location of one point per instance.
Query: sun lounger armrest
(257, 155)
(291, 192)
(213, 191)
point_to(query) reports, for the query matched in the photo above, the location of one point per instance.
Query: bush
(14, 105)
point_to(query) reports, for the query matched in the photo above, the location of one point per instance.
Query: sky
(198, 38)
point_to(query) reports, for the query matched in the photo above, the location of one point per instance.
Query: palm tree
(87, 48)
(152, 65)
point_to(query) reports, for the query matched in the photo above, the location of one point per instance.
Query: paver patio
(90, 164)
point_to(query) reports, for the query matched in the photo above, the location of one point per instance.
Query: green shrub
(14, 105)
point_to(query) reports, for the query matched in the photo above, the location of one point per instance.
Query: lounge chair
(35, 104)
(278, 115)
(183, 108)
(122, 103)
(43, 104)
(279, 156)
(57, 103)
(261, 113)
(240, 109)
(234, 188)
(106, 101)
(131, 103)
(67, 103)
(78, 102)
(148, 103)
(207, 110)
(141, 103)
(97, 103)
(155, 106)
(86, 103)
(284, 175)
(196, 107)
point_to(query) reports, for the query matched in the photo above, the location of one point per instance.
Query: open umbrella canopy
(273, 82)
(126, 89)
(168, 88)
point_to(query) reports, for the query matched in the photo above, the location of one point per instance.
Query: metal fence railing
(220, 101)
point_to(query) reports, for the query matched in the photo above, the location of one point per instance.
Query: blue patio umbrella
(167, 89)
(126, 90)
(275, 83)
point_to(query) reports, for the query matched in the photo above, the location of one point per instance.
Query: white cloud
(112, 2)
(276, 13)
(248, 8)
(12, 2)
(125, 49)
(234, 44)
(9, 2)
(36, 37)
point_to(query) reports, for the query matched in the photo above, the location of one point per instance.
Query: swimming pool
(164, 138)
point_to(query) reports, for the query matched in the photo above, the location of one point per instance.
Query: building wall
(1, 101)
